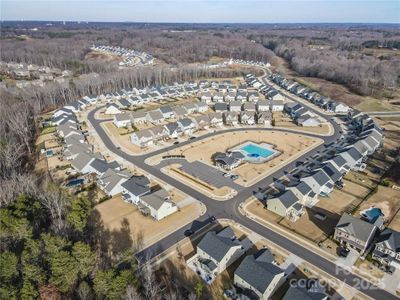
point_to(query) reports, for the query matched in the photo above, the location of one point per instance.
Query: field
(289, 144)
(117, 214)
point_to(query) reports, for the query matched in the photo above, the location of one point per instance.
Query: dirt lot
(289, 144)
(323, 129)
(116, 213)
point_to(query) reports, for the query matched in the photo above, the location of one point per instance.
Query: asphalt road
(230, 209)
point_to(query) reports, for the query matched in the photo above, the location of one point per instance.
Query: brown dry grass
(114, 211)
(122, 140)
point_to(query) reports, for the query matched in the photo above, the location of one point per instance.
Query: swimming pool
(253, 150)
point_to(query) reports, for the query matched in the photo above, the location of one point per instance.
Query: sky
(205, 11)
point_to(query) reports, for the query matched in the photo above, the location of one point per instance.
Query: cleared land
(117, 214)
(121, 140)
(289, 144)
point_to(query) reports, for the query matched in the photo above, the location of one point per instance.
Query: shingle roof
(296, 293)
(156, 199)
(137, 185)
(218, 245)
(288, 198)
(390, 239)
(258, 274)
(355, 227)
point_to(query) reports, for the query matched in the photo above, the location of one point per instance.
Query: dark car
(176, 143)
(192, 137)
(188, 232)
(343, 252)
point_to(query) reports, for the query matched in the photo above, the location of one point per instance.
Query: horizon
(205, 11)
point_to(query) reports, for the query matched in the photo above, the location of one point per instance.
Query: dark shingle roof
(258, 274)
(355, 227)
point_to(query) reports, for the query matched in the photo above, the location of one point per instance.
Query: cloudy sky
(254, 11)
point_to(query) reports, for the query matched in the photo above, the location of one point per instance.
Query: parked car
(188, 232)
(343, 252)
(234, 177)
(176, 143)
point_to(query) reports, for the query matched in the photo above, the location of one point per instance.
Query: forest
(53, 244)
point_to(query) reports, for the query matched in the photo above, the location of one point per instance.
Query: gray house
(355, 233)
(258, 276)
(387, 248)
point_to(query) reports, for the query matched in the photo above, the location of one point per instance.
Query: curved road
(230, 209)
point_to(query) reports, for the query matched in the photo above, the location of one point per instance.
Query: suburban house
(264, 118)
(217, 251)
(304, 193)
(155, 117)
(341, 108)
(142, 138)
(286, 205)
(319, 182)
(275, 96)
(221, 107)
(216, 119)
(180, 112)
(353, 158)
(312, 291)
(277, 105)
(73, 147)
(235, 106)
(172, 130)
(249, 106)
(231, 118)
(308, 121)
(159, 132)
(258, 276)
(134, 188)
(203, 121)
(241, 96)
(201, 107)
(253, 96)
(166, 112)
(112, 109)
(111, 181)
(63, 111)
(187, 126)
(122, 120)
(387, 248)
(190, 107)
(262, 105)
(206, 97)
(157, 204)
(139, 117)
(231, 96)
(82, 161)
(218, 97)
(247, 118)
(355, 233)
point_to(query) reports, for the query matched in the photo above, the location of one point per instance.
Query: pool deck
(259, 159)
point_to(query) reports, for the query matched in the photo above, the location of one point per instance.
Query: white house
(112, 109)
(111, 181)
(277, 105)
(142, 138)
(122, 120)
(157, 204)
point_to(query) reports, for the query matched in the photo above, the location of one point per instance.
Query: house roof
(221, 106)
(144, 133)
(111, 178)
(82, 160)
(332, 172)
(300, 293)
(186, 122)
(390, 239)
(137, 185)
(258, 274)
(218, 245)
(303, 188)
(321, 178)
(155, 115)
(172, 127)
(235, 104)
(356, 227)
(122, 117)
(288, 198)
(138, 115)
(166, 109)
(339, 161)
(179, 111)
(156, 199)
(262, 103)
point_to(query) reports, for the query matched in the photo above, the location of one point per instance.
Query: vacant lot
(290, 145)
(117, 214)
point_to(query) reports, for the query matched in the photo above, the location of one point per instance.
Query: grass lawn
(49, 129)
